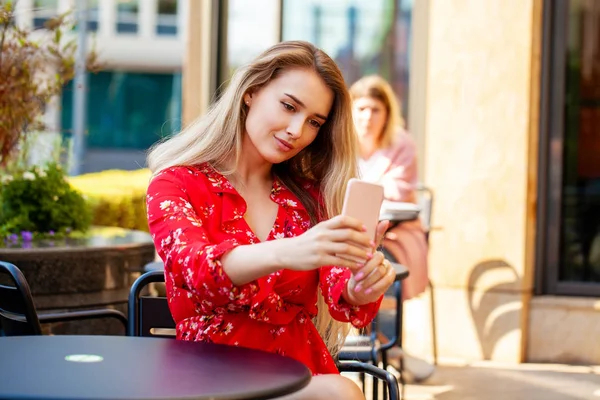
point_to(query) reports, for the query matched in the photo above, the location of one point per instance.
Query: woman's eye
(288, 106)
(315, 123)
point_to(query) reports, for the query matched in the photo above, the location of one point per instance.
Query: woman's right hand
(337, 241)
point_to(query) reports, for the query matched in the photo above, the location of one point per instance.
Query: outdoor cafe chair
(150, 317)
(366, 347)
(18, 315)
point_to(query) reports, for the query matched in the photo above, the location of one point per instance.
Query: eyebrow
(297, 100)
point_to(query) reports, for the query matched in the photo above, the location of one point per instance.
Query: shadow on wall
(494, 317)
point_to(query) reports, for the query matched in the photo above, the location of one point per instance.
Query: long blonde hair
(329, 161)
(377, 88)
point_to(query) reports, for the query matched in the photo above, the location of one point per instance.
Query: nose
(295, 126)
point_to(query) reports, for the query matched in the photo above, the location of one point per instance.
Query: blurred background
(142, 44)
(501, 97)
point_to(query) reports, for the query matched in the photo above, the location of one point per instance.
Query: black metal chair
(151, 317)
(18, 315)
(425, 201)
(366, 347)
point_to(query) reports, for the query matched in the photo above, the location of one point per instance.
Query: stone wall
(479, 129)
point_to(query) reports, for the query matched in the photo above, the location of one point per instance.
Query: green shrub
(117, 198)
(40, 201)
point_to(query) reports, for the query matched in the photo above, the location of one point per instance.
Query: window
(127, 16)
(167, 17)
(366, 37)
(244, 40)
(127, 110)
(93, 15)
(42, 11)
(569, 228)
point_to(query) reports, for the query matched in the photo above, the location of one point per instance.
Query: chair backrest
(425, 202)
(18, 315)
(149, 316)
(154, 266)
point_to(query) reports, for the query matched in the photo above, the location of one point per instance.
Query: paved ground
(489, 381)
(523, 382)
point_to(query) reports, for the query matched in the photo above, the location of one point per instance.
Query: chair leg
(363, 381)
(402, 382)
(375, 388)
(375, 361)
(384, 361)
(433, 324)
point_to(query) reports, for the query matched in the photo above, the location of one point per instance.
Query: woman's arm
(400, 180)
(183, 243)
(246, 263)
(192, 261)
(332, 242)
(333, 282)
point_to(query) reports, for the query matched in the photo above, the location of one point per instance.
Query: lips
(285, 144)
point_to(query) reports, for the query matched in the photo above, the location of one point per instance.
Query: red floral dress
(196, 216)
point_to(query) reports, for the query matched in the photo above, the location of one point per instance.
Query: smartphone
(363, 201)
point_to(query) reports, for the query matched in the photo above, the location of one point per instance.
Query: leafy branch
(34, 67)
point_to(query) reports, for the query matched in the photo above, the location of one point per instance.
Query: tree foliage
(34, 67)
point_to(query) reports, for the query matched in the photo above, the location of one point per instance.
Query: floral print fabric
(195, 216)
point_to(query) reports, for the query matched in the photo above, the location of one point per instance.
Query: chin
(277, 158)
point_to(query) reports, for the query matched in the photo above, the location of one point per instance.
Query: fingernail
(360, 264)
(373, 243)
(369, 256)
(364, 228)
(368, 291)
(359, 276)
(357, 288)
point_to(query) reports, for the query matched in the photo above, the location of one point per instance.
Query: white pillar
(24, 14)
(148, 15)
(107, 18)
(276, 16)
(417, 96)
(183, 9)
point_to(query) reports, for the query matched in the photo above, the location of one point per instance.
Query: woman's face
(285, 115)
(370, 116)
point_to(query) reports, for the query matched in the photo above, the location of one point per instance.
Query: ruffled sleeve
(333, 281)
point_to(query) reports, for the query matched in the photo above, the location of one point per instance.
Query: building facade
(509, 134)
(136, 98)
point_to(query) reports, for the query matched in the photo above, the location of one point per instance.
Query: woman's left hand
(368, 283)
(371, 281)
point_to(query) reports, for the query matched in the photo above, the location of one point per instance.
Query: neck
(251, 169)
(368, 146)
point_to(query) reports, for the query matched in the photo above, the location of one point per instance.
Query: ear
(248, 99)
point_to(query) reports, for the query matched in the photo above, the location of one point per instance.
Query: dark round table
(119, 367)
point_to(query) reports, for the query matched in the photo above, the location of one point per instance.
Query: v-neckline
(245, 204)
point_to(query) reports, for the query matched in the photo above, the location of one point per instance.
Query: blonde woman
(243, 208)
(388, 157)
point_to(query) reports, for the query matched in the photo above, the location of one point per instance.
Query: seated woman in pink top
(388, 157)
